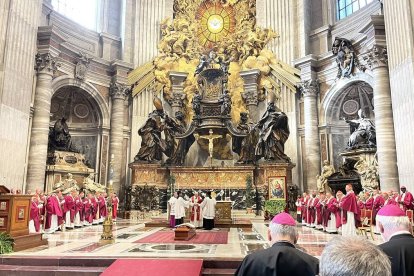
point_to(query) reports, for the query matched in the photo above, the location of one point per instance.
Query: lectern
(14, 220)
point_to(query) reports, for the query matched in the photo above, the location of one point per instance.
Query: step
(218, 271)
(16, 270)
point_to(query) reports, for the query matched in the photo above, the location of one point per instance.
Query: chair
(366, 223)
(409, 214)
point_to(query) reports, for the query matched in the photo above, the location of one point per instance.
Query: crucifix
(210, 137)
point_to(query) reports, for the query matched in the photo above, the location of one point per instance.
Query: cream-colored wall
(142, 28)
(283, 17)
(19, 20)
(399, 25)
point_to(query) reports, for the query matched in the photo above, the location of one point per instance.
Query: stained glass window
(216, 22)
(347, 7)
(83, 12)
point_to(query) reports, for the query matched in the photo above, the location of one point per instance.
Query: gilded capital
(376, 57)
(45, 63)
(309, 88)
(118, 90)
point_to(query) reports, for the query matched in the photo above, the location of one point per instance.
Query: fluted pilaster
(45, 66)
(310, 90)
(377, 59)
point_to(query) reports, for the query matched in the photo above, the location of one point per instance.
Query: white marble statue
(368, 172)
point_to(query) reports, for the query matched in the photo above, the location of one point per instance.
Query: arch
(63, 81)
(335, 91)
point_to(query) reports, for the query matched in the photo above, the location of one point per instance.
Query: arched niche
(88, 119)
(342, 102)
(92, 92)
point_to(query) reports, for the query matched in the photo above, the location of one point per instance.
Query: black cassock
(400, 249)
(281, 259)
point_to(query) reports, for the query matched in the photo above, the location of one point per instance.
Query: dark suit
(281, 259)
(400, 249)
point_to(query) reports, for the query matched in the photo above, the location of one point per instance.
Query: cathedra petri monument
(216, 120)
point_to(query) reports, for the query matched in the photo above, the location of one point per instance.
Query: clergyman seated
(282, 258)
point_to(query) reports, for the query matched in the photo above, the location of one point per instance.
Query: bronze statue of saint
(273, 132)
(177, 149)
(243, 145)
(225, 101)
(59, 136)
(196, 103)
(152, 146)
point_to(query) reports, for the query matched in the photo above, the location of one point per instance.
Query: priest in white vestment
(209, 211)
(180, 206)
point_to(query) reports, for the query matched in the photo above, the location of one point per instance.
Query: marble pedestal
(368, 155)
(60, 163)
(271, 174)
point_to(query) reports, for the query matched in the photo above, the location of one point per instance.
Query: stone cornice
(376, 57)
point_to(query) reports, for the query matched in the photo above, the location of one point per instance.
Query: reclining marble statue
(66, 185)
(91, 186)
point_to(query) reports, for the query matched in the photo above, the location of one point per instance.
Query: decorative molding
(177, 99)
(82, 66)
(345, 59)
(250, 97)
(118, 90)
(309, 88)
(376, 57)
(251, 86)
(45, 63)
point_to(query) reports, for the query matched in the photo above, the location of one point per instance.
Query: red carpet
(154, 267)
(219, 237)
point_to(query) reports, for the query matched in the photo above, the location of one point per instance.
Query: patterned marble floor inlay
(84, 242)
(176, 248)
(126, 236)
(251, 237)
(248, 248)
(92, 247)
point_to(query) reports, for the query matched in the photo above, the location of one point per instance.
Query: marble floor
(84, 242)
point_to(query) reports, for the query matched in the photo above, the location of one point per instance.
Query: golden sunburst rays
(215, 23)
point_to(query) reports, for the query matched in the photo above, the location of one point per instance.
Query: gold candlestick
(107, 236)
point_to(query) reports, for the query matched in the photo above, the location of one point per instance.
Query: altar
(223, 212)
(226, 183)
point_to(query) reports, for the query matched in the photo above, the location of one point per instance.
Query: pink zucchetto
(403, 187)
(391, 210)
(284, 219)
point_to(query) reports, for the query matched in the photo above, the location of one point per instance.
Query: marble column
(310, 90)
(250, 94)
(118, 93)
(377, 60)
(178, 95)
(399, 28)
(45, 66)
